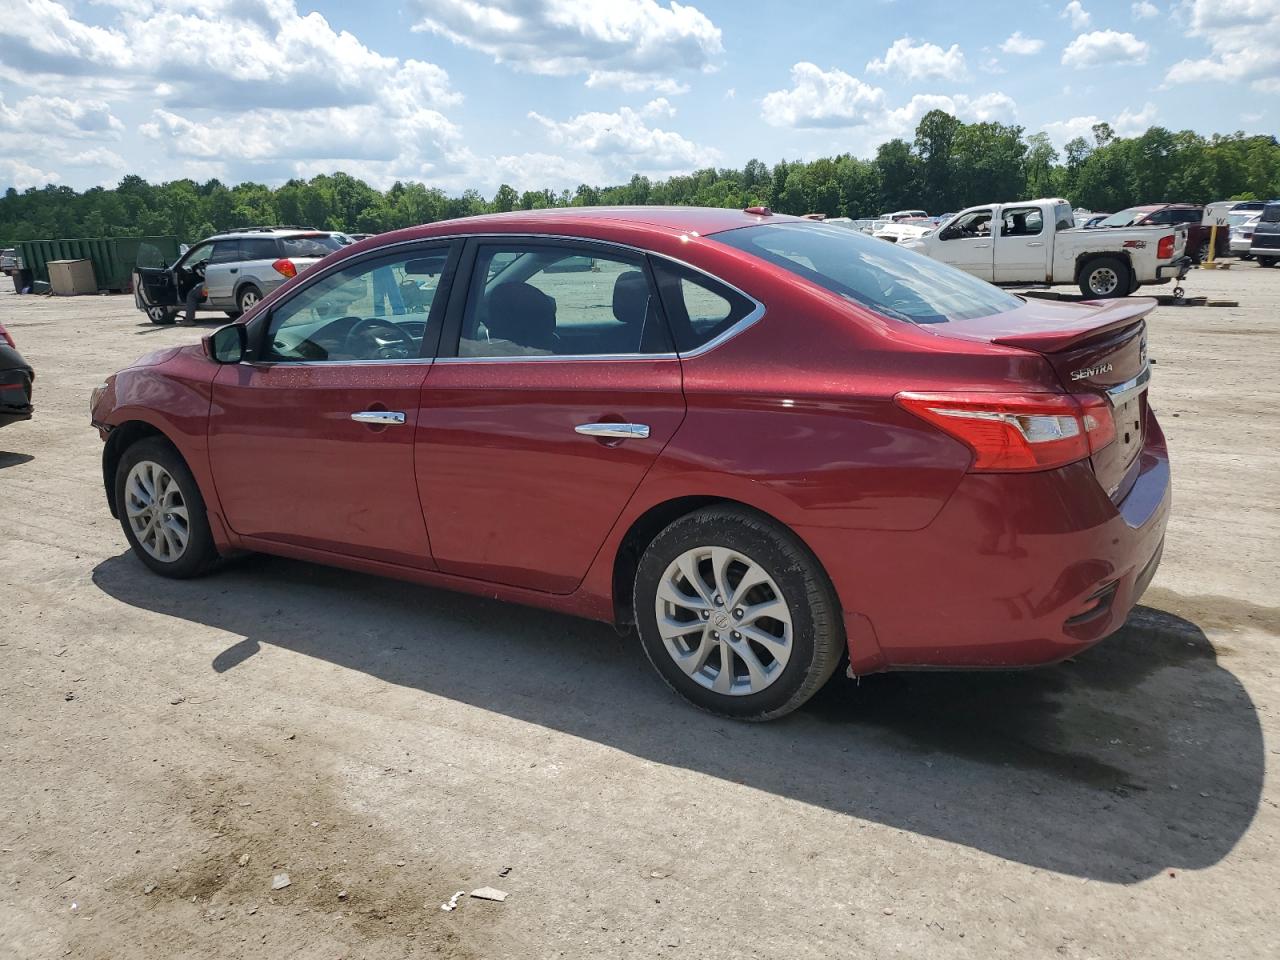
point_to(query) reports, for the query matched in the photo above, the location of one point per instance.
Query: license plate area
(1130, 417)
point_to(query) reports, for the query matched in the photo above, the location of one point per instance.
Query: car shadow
(14, 459)
(1142, 755)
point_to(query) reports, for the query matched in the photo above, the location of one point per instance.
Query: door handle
(613, 431)
(981, 246)
(1036, 243)
(380, 417)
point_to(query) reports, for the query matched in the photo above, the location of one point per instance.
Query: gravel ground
(169, 748)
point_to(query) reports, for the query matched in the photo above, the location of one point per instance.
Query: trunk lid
(1097, 347)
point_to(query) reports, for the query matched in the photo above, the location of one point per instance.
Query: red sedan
(768, 443)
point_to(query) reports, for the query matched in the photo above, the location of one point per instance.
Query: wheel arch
(120, 439)
(654, 520)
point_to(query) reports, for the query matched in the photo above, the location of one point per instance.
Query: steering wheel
(388, 339)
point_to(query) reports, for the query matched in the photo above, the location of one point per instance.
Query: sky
(553, 93)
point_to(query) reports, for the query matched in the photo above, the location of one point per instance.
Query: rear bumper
(1175, 270)
(1017, 570)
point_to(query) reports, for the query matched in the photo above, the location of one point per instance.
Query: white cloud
(1103, 47)
(1144, 10)
(1243, 38)
(1127, 123)
(998, 107)
(61, 117)
(923, 61)
(635, 44)
(1077, 14)
(1022, 46)
(820, 98)
(660, 107)
(625, 143)
(18, 173)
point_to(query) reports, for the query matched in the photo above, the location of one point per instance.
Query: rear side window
(258, 248)
(310, 245)
(882, 276)
(225, 251)
(1272, 213)
(698, 308)
(1022, 222)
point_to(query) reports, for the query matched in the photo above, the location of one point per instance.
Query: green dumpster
(113, 257)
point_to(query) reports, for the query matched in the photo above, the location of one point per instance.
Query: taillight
(5, 336)
(285, 268)
(1164, 250)
(1018, 432)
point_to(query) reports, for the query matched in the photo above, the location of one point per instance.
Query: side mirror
(226, 345)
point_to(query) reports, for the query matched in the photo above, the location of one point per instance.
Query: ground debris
(489, 893)
(280, 881)
(453, 901)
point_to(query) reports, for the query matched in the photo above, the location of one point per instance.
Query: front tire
(162, 512)
(736, 614)
(1104, 279)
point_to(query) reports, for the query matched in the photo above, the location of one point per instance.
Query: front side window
(199, 254)
(555, 300)
(882, 276)
(1021, 222)
(374, 310)
(968, 226)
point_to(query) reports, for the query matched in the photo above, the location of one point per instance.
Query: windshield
(1124, 218)
(871, 272)
(310, 245)
(1244, 216)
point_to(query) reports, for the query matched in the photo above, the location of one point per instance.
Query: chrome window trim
(567, 358)
(1122, 393)
(756, 313)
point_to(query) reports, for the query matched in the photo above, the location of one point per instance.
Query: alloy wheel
(248, 300)
(157, 511)
(724, 621)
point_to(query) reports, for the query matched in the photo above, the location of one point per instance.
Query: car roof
(692, 220)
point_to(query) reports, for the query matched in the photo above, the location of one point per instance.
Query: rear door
(219, 279)
(967, 243)
(556, 389)
(1022, 249)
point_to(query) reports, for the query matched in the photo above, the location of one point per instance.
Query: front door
(966, 243)
(220, 274)
(1022, 252)
(563, 390)
(312, 440)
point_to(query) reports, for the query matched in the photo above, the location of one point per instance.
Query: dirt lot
(387, 745)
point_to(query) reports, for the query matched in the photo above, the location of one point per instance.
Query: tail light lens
(4, 335)
(285, 268)
(1018, 432)
(1164, 250)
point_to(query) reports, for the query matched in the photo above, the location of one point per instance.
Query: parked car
(1166, 214)
(1035, 242)
(1265, 243)
(9, 261)
(1241, 228)
(16, 379)
(903, 215)
(909, 228)
(238, 268)
(578, 441)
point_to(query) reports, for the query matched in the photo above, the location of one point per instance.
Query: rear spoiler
(1108, 317)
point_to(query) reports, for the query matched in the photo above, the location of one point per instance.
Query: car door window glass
(225, 251)
(976, 223)
(258, 248)
(1022, 222)
(375, 310)
(200, 254)
(698, 307)
(559, 301)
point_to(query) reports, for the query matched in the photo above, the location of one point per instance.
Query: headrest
(522, 314)
(630, 297)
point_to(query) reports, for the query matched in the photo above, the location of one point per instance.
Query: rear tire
(1267, 261)
(761, 600)
(161, 316)
(1105, 278)
(248, 297)
(162, 512)
(1202, 254)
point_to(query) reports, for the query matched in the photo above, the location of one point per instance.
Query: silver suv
(237, 268)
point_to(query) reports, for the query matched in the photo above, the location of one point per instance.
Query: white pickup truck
(1035, 242)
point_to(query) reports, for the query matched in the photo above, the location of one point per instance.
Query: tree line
(947, 166)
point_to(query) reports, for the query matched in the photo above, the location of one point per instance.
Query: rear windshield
(1272, 213)
(872, 272)
(311, 245)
